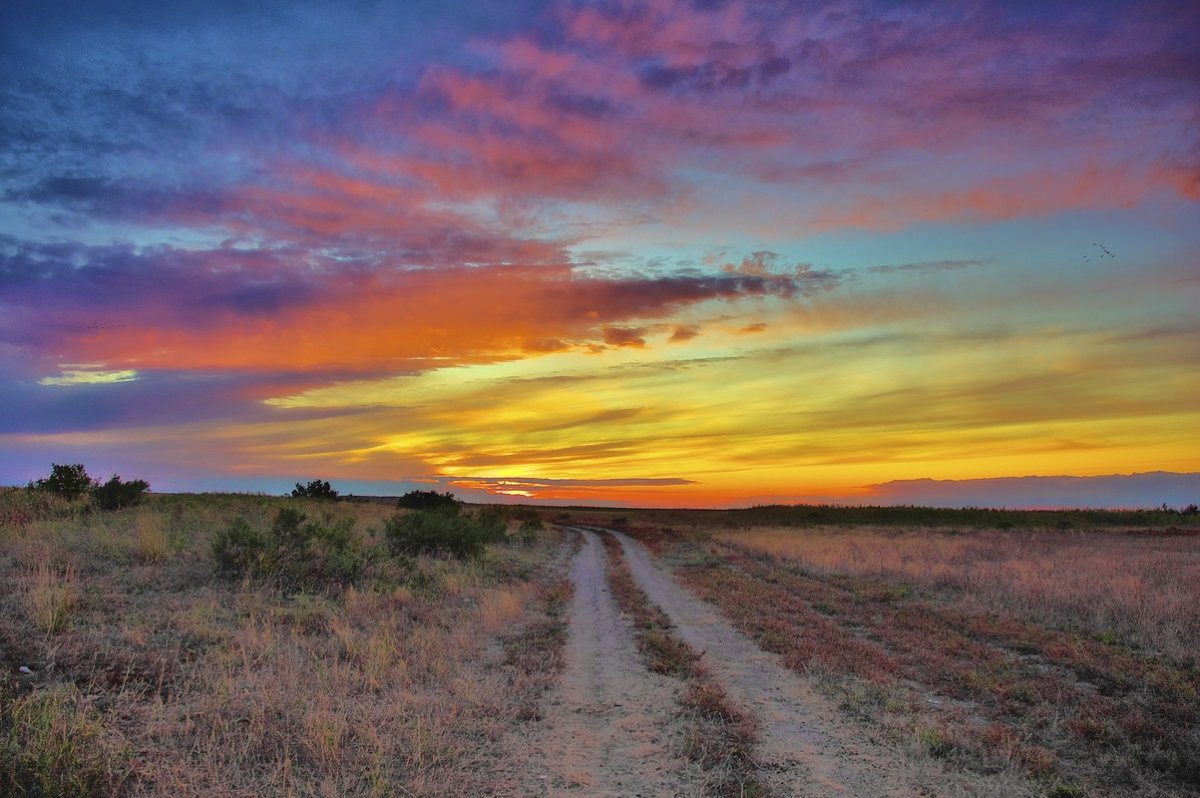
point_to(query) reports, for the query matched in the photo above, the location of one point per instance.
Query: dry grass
(150, 540)
(217, 687)
(1142, 589)
(51, 596)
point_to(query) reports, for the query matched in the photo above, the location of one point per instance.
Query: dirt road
(608, 728)
(807, 748)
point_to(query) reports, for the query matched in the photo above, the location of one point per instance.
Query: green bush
(115, 494)
(239, 548)
(493, 521)
(529, 531)
(315, 489)
(433, 532)
(67, 481)
(295, 553)
(429, 500)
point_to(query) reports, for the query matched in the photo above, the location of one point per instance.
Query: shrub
(115, 494)
(455, 534)
(315, 489)
(239, 548)
(494, 522)
(67, 481)
(529, 531)
(295, 553)
(429, 500)
(310, 555)
(52, 744)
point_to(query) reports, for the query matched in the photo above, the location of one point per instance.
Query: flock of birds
(1104, 253)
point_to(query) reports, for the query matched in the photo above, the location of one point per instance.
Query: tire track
(608, 728)
(807, 748)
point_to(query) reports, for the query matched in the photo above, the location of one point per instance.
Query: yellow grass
(51, 597)
(150, 537)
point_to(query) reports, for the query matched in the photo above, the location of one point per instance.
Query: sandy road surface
(608, 727)
(807, 748)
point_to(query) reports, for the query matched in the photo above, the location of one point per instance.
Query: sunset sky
(657, 253)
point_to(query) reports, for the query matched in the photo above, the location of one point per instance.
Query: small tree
(316, 489)
(68, 481)
(429, 500)
(115, 494)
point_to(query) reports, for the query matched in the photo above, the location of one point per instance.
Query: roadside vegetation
(1064, 655)
(231, 645)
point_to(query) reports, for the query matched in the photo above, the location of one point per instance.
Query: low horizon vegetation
(72, 482)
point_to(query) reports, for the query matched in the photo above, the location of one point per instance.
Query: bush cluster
(315, 489)
(444, 531)
(295, 553)
(115, 494)
(299, 554)
(70, 482)
(428, 500)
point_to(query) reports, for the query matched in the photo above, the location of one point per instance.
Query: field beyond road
(231, 645)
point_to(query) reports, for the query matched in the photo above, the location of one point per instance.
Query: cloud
(625, 336)
(603, 417)
(89, 377)
(930, 267)
(684, 332)
(293, 309)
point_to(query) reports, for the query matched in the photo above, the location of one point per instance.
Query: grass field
(150, 673)
(155, 651)
(1067, 655)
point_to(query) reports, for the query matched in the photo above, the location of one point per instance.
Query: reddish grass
(1142, 589)
(1067, 708)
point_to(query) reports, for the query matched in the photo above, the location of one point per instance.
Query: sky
(693, 253)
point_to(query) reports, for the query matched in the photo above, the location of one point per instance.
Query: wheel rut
(609, 727)
(807, 747)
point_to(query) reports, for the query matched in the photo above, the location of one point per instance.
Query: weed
(51, 597)
(20, 507)
(150, 538)
(934, 741)
(1061, 789)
